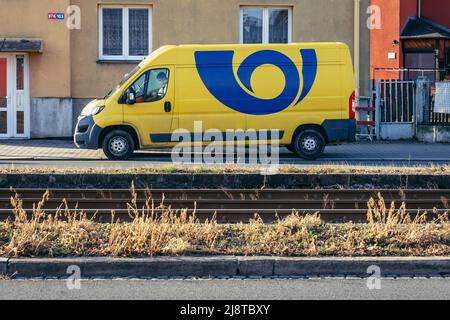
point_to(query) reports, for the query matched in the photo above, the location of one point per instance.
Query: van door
(152, 114)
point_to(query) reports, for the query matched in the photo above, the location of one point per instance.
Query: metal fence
(409, 74)
(396, 98)
(395, 95)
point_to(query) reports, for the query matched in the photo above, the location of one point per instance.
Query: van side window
(139, 88)
(151, 86)
(158, 82)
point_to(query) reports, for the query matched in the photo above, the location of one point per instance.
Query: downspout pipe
(356, 45)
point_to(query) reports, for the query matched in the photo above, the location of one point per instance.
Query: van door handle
(167, 107)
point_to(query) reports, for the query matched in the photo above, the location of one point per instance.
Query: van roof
(170, 51)
(299, 44)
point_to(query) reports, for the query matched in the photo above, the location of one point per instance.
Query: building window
(125, 32)
(266, 25)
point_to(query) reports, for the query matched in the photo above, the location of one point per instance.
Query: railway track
(229, 205)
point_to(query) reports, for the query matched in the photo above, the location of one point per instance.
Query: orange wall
(381, 40)
(394, 15)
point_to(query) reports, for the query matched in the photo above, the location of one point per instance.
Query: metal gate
(395, 109)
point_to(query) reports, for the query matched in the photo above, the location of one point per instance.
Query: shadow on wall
(433, 133)
(55, 117)
(51, 117)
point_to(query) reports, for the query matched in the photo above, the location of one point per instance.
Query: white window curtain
(266, 25)
(252, 25)
(278, 26)
(138, 32)
(112, 32)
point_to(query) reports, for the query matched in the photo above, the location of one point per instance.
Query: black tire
(118, 145)
(309, 144)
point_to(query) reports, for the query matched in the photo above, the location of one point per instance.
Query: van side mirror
(131, 97)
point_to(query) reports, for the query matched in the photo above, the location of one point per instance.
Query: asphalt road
(64, 155)
(234, 289)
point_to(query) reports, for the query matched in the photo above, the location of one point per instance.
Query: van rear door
(152, 114)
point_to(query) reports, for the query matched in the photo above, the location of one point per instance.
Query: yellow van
(304, 90)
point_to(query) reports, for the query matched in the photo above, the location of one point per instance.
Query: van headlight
(93, 111)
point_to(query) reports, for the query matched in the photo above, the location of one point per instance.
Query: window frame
(147, 75)
(265, 20)
(125, 33)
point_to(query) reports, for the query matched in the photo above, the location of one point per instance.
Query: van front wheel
(118, 145)
(309, 144)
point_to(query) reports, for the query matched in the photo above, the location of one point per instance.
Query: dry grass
(389, 231)
(198, 169)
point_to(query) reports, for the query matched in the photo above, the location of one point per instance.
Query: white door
(14, 96)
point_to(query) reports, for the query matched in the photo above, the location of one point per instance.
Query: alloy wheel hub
(118, 146)
(310, 143)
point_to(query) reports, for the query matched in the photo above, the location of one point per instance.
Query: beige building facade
(67, 60)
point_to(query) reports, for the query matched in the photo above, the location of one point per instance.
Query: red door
(3, 96)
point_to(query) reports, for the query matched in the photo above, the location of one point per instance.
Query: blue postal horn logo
(216, 71)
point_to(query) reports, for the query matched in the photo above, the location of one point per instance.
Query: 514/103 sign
(56, 16)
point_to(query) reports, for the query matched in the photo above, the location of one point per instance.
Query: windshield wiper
(107, 96)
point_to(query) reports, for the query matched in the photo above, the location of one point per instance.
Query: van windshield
(124, 79)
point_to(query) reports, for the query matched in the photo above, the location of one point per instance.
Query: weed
(389, 230)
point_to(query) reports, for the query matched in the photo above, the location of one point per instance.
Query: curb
(112, 267)
(3, 266)
(389, 266)
(214, 181)
(224, 267)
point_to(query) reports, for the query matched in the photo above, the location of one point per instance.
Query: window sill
(119, 61)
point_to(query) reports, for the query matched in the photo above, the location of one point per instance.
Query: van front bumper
(342, 130)
(87, 133)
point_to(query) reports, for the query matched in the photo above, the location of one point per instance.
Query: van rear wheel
(309, 144)
(118, 145)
